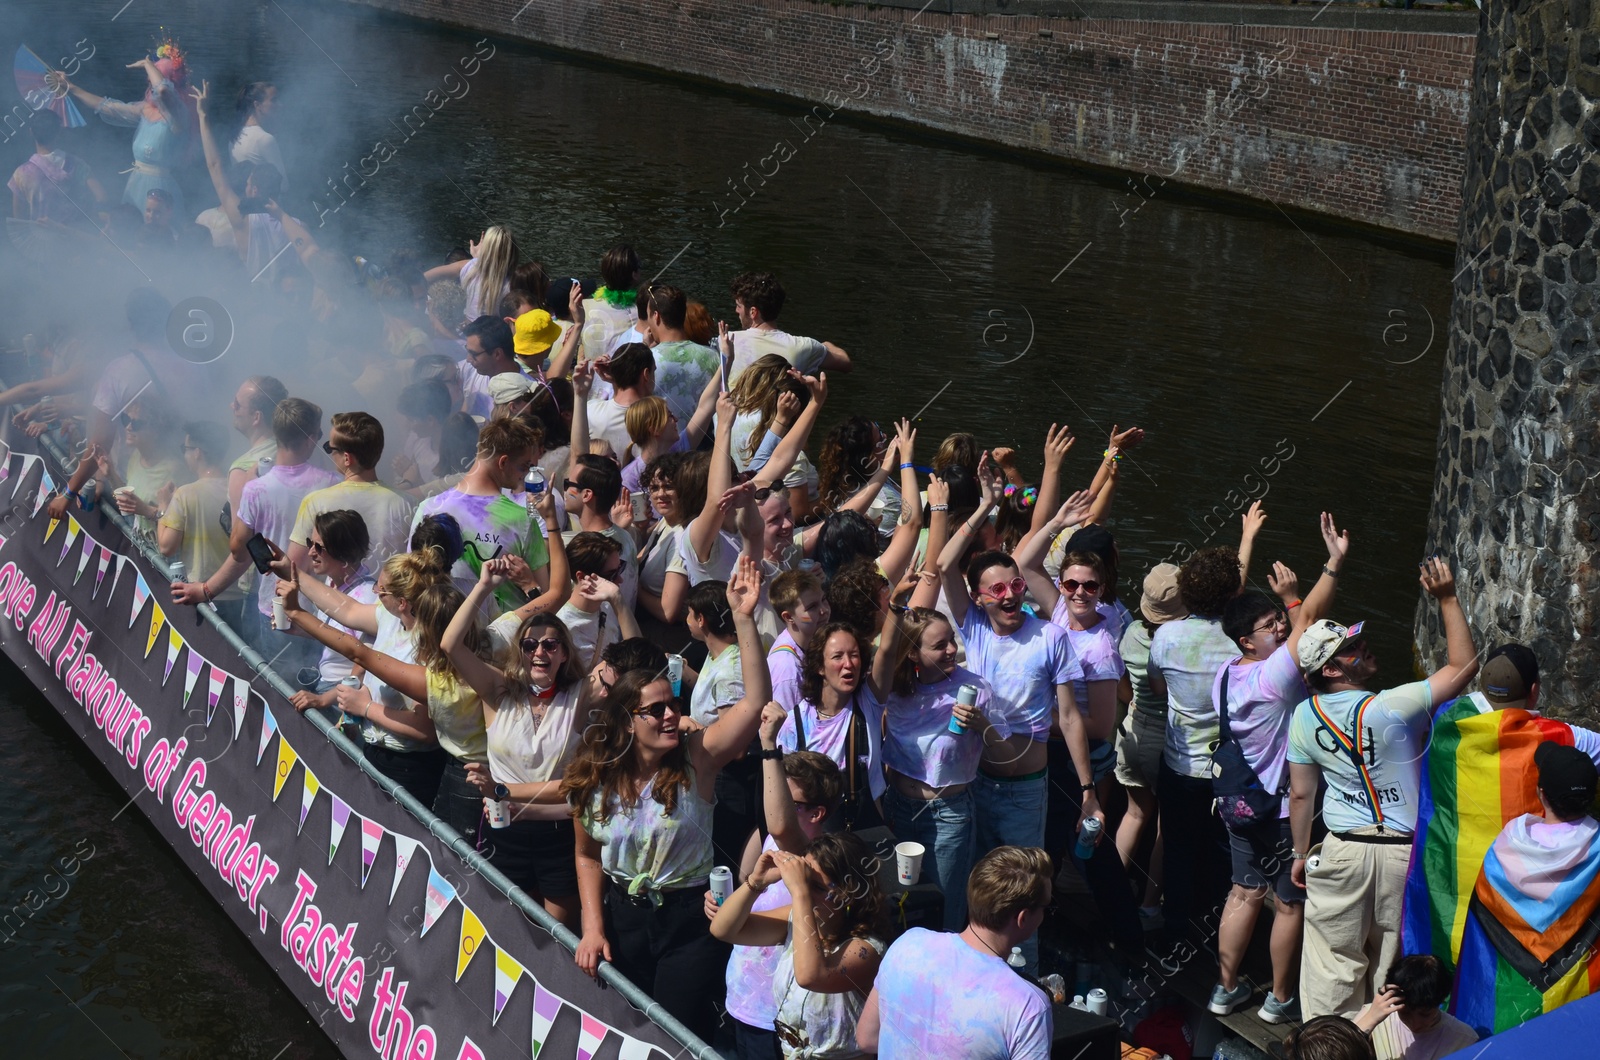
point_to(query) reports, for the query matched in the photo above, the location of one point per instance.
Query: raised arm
(737, 922)
(704, 410)
(955, 585)
(409, 679)
(861, 500)
(788, 451)
(486, 679)
(1058, 442)
(783, 820)
(327, 599)
(214, 166)
(1320, 599)
(704, 527)
(1253, 520)
(891, 643)
(582, 384)
(926, 594)
(561, 363)
(1461, 662)
(1104, 486)
(818, 967)
(1031, 553)
(448, 271)
(716, 746)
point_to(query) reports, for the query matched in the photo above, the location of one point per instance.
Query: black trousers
(1103, 872)
(416, 771)
(1198, 866)
(669, 953)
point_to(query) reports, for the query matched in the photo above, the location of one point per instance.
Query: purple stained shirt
(751, 968)
(828, 736)
(1261, 701)
(783, 662)
(918, 742)
(939, 999)
(269, 504)
(1023, 669)
(1095, 649)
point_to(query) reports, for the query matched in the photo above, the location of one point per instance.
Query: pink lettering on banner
(19, 594)
(324, 953)
(76, 641)
(195, 810)
(469, 1050)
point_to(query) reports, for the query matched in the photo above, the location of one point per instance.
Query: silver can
(721, 883)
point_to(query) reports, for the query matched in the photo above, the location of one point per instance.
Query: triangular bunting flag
(192, 674)
(100, 572)
(50, 529)
(507, 974)
(405, 848)
(157, 619)
(440, 894)
(24, 466)
(546, 1007)
(141, 593)
(472, 936)
(634, 1049)
(371, 836)
(214, 683)
(241, 701)
(308, 795)
(287, 757)
(73, 530)
(89, 545)
(338, 817)
(175, 644)
(47, 486)
(269, 724)
(592, 1033)
(116, 580)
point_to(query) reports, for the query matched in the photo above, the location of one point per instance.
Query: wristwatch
(774, 755)
(501, 793)
(1086, 787)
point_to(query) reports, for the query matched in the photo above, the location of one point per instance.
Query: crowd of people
(575, 554)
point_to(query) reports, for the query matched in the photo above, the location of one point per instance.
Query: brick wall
(1365, 125)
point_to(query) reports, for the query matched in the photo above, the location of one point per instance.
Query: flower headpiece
(169, 59)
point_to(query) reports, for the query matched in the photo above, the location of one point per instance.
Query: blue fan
(30, 71)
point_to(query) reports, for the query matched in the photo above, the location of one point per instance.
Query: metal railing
(474, 861)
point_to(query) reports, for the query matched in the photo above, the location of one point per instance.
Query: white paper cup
(908, 862)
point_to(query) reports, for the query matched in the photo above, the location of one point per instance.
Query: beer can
(177, 571)
(966, 695)
(721, 883)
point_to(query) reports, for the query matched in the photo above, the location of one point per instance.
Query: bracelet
(938, 507)
(1329, 573)
(1298, 857)
(905, 466)
(1114, 456)
(1294, 605)
(205, 591)
(753, 887)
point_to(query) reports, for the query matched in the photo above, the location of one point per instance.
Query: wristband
(1329, 573)
(774, 755)
(1294, 605)
(1114, 456)
(1086, 787)
(1296, 856)
(938, 507)
(912, 467)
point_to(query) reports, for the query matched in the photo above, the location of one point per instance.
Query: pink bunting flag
(546, 1007)
(269, 725)
(405, 849)
(47, 486)
(214, 685)
(592, 1033)
(89, 545)
(241, 702)
(100, 572)
(192, 674)
(440, 894)
(141, 593)
(338, 817)
(371, 836)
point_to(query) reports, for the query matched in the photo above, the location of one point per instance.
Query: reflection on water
(972, 291)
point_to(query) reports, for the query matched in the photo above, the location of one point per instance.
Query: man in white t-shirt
(355, 444)
(758, 298)
(594, 614)
(939, 996)
(1352, 932)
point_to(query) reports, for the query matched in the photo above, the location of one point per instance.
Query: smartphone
(641, 506)
(260, 550)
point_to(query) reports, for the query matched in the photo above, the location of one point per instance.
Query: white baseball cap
(1322, 640)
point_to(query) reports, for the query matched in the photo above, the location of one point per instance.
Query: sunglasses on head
(764, 493)
(657, 710)
(549, 644)
(1014, 587)
(1072, 585)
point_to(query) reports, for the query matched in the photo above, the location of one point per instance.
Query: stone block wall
(1365, 125)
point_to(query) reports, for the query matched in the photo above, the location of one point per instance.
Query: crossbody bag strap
(1224, 730)
(151, 372)
(799, 729)
(1352, 749)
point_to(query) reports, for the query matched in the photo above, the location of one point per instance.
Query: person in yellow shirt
(191, 528)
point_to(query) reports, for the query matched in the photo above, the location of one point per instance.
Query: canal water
(1265, 356)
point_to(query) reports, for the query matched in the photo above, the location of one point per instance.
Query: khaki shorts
(1141, 742)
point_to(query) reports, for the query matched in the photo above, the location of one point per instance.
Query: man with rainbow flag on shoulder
(1369, 748)
(1482, 782)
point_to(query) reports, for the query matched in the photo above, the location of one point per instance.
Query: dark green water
(973, 292)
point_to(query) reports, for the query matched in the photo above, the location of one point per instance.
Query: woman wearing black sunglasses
(642, 793)
(536, 706)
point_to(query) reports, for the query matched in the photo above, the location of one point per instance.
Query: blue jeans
(1011, 813)
(945, 827)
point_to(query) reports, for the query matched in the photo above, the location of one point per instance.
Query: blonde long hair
(758, 390)
(644, 419)
(497, 257)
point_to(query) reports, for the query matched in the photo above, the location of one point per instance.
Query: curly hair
(853, 597)
(1208, 580)
(849, 863)
(604, 762)
(848, 459)
(842, 538)
(811, 669)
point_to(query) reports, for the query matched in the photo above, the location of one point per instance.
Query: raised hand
(1437, 580)
(772, 719)
(990, 480)
(1057, 442)
(1253, 521)
(1075, 509)
(575, 304)
(744, 587)
(1125, 441)
(1282, 580)
(1338, 543)
(199, 95)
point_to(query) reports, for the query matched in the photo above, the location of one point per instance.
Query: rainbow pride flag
(1478, 775)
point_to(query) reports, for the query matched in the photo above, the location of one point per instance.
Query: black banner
(392, 942)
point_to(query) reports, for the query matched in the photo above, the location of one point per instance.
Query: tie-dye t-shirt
(917, 740)
(826, 1022)
(644, 843)
(1095, 649)
(751, 968)
(829, 736)
(1261, 701)
(1186, 654)
(940, 999)
(1022, 669)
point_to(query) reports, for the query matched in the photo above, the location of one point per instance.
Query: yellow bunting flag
(286, 760)
(472, 936)
(50, 530)
(157, 620)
